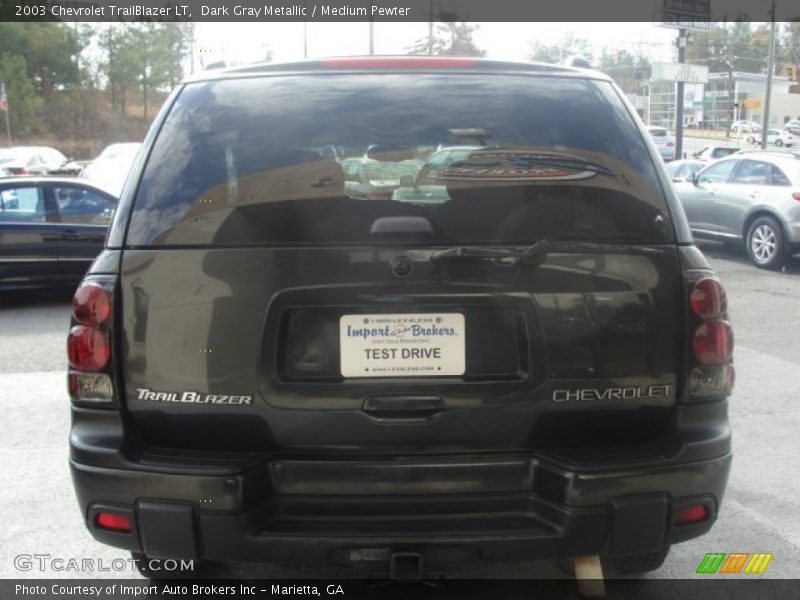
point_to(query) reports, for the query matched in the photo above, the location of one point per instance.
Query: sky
(241, 43)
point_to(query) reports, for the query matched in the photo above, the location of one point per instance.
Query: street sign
(686, 14)
(679, 72)
(751, 103)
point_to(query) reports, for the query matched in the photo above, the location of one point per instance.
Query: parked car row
(752, 127)
(788, 137)
(52, 226)
(108, 170)
(36, 160)
(744, 126)
(775, 137)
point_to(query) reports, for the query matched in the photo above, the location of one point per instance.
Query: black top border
(689, 13)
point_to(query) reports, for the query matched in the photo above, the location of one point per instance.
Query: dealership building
(721, 100)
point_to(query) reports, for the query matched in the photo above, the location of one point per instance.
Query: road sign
(751, 103)
(662, 71)
(686, 14)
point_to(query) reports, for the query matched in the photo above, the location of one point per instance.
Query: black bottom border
(732, 588)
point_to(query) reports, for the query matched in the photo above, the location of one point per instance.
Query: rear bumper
(361, 513)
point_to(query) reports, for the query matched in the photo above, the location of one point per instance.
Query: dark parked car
(264, 367)
(51, 229)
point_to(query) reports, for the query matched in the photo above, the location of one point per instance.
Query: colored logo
(735, 562)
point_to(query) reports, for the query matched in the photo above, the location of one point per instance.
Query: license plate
(402, 345)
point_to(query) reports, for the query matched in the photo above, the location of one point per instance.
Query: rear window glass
(658, 132)
(483, 158)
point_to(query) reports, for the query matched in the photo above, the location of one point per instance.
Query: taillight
(708, 299)
(711, 373)
(670, 144)
(713, 342)
(88, 348)
(89, 342)
(796, 195)
(91, 304)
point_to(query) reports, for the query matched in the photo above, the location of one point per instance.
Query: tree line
(61, 79)
(724, 47)
(89, 80)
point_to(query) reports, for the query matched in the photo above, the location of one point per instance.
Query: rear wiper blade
(532, 255)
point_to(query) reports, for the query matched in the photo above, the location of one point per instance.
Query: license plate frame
(402, 345)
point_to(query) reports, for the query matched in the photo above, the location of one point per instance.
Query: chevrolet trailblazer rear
(513, 352)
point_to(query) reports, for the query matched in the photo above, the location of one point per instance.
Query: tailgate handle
(403, 406)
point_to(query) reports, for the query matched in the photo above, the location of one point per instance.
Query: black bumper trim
(564, 513)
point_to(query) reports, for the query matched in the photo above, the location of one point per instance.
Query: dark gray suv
(534, 363)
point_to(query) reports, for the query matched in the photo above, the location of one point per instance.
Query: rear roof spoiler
(400, 63)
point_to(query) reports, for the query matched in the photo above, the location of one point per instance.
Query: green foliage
(628, 69)
(568, 47)
(450, 38)
(788, 50)
(143, 57)
(49, 49)
(23, 103)
(58, 64)
(730, 47)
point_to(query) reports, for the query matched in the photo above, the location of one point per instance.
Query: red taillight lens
(91, 304)
(796, 195)
(114, 522)
(692, 514)
(708, 299)
(87, 348)
(670, 144)
(713, 342)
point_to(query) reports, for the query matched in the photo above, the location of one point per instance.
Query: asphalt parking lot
(759, 514)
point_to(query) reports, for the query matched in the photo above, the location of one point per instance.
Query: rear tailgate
(582, 352)
(265, 309)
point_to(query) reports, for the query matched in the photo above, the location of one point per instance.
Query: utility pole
(5, 110)
(770, 67)
(430, 28)
(371, 36)
(679, 98)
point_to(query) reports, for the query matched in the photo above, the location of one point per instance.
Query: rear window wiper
(532, 255)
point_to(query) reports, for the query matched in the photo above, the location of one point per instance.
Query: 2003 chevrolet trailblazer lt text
(523, 357)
